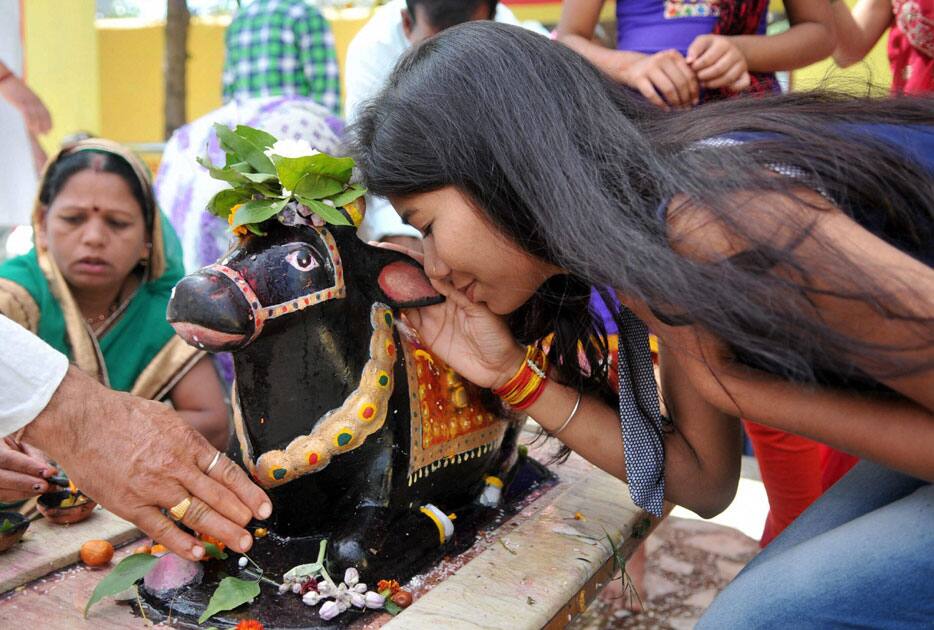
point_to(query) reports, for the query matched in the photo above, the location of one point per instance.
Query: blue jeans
(862, 556)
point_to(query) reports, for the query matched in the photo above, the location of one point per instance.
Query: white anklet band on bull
(339, 430)
(444, 522)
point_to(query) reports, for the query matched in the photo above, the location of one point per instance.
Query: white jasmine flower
(358, 600)
(329, 610)
(289, 148)
(311, 598)
(242, 562)
(351, 576)
(374, 600)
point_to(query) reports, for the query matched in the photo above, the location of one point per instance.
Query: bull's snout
(209, 312)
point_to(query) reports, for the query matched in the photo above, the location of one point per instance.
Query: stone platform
(538, 570)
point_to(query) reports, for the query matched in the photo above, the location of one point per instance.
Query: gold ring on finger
(179, 510)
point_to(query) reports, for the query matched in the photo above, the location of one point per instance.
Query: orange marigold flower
(214, 541)
(388, 585)
(239, 230)
(249, 624)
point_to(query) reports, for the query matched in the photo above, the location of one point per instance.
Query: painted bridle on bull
(260, 313)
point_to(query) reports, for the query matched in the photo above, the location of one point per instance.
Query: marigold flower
(388, 585)
(249, 624)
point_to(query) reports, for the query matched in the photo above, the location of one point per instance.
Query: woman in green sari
(97, 283)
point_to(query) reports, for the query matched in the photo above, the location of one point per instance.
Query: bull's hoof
(345, 553)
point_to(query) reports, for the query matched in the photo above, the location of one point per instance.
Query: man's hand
(136, 457)
(718, 63)
(35, 115)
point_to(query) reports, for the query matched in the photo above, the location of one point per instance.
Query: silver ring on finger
(217, 458)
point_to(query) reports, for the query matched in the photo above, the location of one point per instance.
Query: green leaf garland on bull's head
(267, 175)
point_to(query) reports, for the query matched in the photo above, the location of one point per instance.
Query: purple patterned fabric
(650, 26)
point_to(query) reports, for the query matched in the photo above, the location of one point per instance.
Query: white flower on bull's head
(289, 148)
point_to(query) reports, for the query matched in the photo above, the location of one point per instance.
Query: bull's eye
(301, 260)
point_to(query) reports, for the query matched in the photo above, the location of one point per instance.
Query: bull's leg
(365, 530)
(500, 471)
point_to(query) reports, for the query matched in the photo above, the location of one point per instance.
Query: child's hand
(665, 79)
(718, 63)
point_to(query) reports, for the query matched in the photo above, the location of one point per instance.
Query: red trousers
(795, 471)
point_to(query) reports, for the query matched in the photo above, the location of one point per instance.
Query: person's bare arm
(895, 432)
(198, 399)
(17, 93)
(859, 30)
(809, 39)
(136, 456)
(722, 61)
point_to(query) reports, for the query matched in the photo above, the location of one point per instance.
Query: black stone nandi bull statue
(358, 433)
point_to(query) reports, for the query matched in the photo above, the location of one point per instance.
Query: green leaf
(226, 174)
(246, 150)
(328, 213)
(230, 593)
(122, 577)
(257, 136)
(391, 607)
(315, 186)
(258, 210)
(292, 170)
(221, 203)
(255, 230)
(214, 551)
(351, 194)
(260, 178)
(6, 526)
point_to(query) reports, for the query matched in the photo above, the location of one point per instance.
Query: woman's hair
(70, 164)
(579, 170)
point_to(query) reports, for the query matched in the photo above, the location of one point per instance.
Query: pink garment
(911, 46)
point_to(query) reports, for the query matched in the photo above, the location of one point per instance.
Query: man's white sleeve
(30, 372)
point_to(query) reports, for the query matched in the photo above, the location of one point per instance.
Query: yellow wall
(61, 64)
(132, 94)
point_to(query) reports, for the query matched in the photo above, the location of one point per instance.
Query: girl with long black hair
(779, 247)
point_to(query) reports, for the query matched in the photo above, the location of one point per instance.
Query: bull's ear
(402, 283)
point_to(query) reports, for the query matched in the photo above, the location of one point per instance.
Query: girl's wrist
(512, 365)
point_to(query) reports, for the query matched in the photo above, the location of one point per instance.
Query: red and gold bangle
(527, 384)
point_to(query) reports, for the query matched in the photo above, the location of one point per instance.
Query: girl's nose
(434, 266)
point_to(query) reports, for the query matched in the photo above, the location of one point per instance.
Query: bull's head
(296, 266)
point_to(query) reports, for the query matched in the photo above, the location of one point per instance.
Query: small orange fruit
(158, 549)
(96, 553)
(402, 599)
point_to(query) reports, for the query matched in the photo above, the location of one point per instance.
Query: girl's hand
(665, 73)
(718, 63)
(472, 340)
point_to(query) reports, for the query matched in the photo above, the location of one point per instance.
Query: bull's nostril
(210, 306)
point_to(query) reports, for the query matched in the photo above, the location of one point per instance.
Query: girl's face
(95, 231)
(461, 246)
